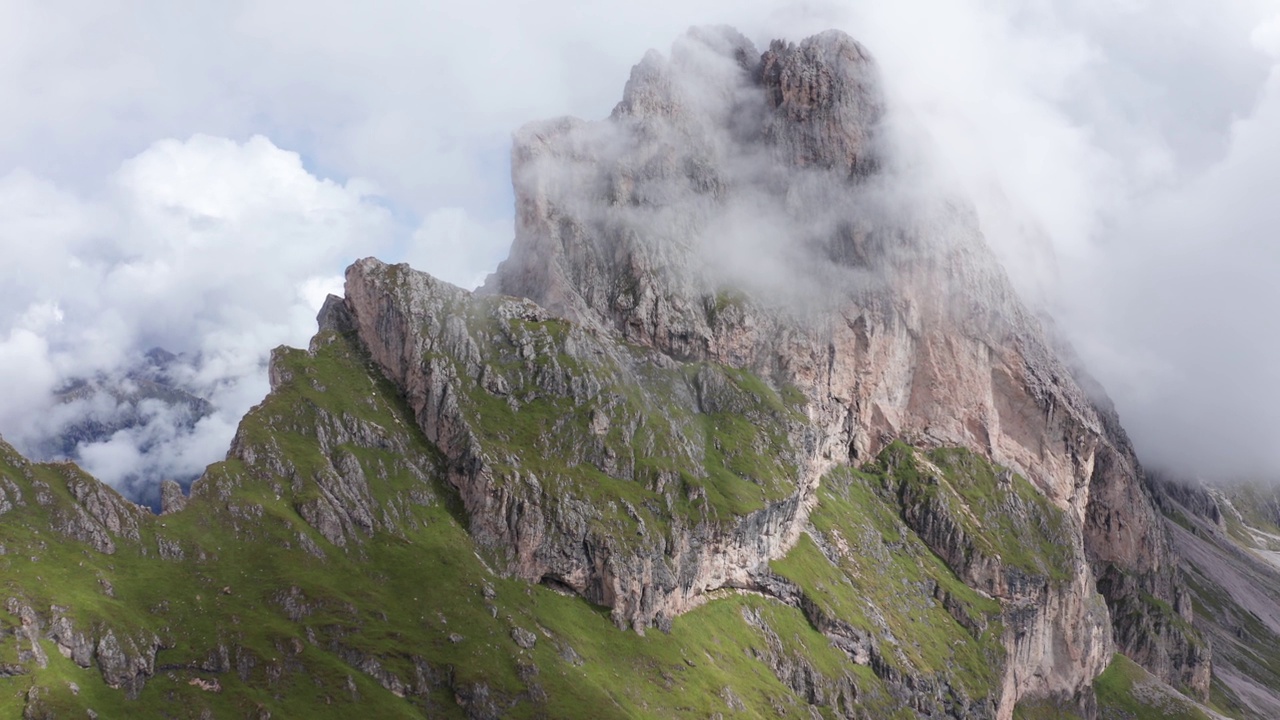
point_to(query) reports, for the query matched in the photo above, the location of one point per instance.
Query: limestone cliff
(758, 212)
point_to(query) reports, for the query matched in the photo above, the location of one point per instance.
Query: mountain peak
(825, 100)
(757, 212)
(721, 167)
(754, 376)
(817, 102)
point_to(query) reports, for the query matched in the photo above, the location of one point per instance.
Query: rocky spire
(825, 102)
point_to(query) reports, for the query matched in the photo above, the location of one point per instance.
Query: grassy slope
(1126, 691)
(741, 456)
(883, 579)
(886, 584)
(415, 601)
(397, 599)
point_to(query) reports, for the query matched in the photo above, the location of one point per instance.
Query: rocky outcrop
(1055, 624)
(798, 673)
(758, 210)
(464, 362)
(125, 662)
(750, 210)
(80, 507)
(172, 499)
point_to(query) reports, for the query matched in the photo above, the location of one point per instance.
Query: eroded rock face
(911, 328)
(757, 211)
(732, 209)
(444, 347)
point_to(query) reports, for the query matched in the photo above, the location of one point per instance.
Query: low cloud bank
(212, 249)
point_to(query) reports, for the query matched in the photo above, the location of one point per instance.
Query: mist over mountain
(126, 428)
(1117, 156)
(752, 420)
(214, 250)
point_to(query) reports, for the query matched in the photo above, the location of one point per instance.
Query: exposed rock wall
(760, 210)
(416, 331)
(422, 334)
(908, 326)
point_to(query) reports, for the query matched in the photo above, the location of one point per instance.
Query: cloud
(210, 248)
(1122, 157)
(1123, 161)
(26, 374)
(459, 248)
(1116, 152)
(1185, 296)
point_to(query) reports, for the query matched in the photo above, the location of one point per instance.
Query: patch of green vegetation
(882, 578)
(638, 437)
(823, 583)
(1237, 529)
(723, 304)
(1002, 515)
(884, 581)
(399, 615)
(793, 397)
(1126, 691)
(1258, 505)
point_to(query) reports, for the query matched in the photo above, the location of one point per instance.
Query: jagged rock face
(444, 347)
(731, 210)
(755, 210)
(478, 371)
(824, 103)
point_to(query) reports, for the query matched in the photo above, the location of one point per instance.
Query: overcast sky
(196, 175)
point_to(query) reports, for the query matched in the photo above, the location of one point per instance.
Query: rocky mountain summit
(879, 301)
(751, 423)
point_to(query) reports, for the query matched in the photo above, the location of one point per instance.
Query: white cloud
(1266, 37)
(26, 376)
(457, 247)
(1128, 140)
(1190, 285)
(212, 248)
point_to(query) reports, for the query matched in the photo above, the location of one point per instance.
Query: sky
(196, 176)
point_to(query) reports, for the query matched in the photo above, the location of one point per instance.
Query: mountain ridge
(739, 382)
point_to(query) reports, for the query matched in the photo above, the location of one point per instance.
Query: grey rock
(125, 662)
(524, 638)
(172, 499)
(72, 643)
